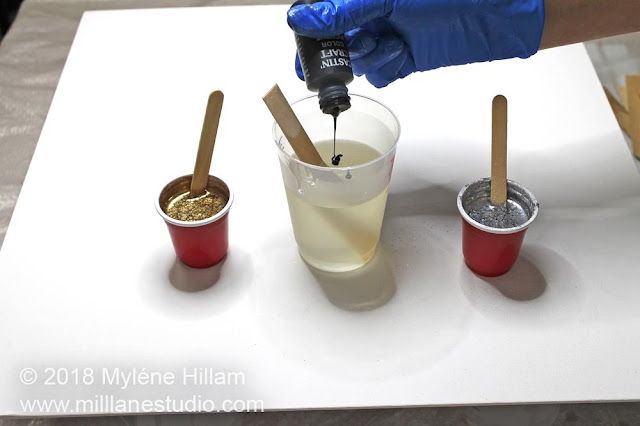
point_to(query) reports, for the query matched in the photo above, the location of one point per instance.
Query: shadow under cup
(336, 212)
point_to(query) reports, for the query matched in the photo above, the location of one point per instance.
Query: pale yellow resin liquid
(342, 237)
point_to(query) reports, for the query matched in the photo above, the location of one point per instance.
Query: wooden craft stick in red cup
(196, 207)
(496, 212)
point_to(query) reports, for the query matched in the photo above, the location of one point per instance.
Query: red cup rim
(196, 223)
(489, 229)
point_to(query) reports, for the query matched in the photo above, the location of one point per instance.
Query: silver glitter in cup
(474, 203)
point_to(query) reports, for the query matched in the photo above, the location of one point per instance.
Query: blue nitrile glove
(390, 39)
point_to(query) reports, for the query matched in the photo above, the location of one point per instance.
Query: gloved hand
(390, 39)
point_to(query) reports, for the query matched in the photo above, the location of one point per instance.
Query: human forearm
(389, 40)
(574, 21)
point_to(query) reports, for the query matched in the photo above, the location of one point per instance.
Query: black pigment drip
(335, 160)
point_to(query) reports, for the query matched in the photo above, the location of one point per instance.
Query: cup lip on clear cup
(194, 223)
(275, 126)
(489, 229)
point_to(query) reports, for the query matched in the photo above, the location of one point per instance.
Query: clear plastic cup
(337, 211)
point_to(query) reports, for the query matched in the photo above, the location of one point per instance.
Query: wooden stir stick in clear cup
(291, 127)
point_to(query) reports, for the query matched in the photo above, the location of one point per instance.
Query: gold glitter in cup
(191, 209)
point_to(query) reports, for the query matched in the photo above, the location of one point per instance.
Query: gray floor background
(32, 56)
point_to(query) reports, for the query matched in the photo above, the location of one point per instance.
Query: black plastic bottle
(327, 69)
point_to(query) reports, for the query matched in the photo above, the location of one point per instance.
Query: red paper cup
(201, 243)
(492, 251)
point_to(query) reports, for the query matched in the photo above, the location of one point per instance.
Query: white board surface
(86, 283)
